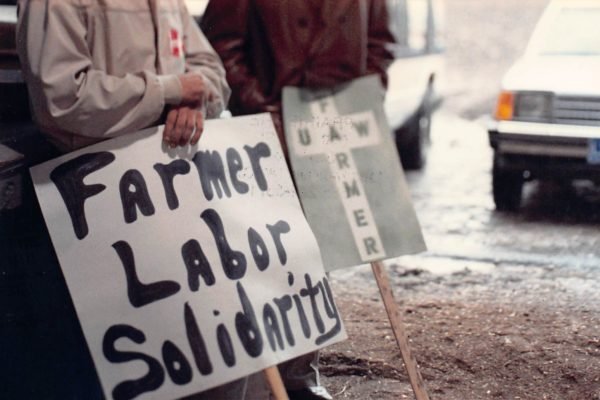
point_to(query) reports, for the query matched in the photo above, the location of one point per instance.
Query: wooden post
(275, 383)
(393, 312)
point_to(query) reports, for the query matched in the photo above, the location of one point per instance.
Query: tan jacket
(102, 68)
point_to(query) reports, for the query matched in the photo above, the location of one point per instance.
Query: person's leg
(300, 372)
(301, 378)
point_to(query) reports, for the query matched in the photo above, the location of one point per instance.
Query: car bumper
(545, 150)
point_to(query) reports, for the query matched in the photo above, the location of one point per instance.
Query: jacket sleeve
(225, 23)
(201, 58)
(80, 99)
(379, 57)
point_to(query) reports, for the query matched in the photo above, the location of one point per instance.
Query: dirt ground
(475, 336)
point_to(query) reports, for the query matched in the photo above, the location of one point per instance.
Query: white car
(415, 84)
(547, 119)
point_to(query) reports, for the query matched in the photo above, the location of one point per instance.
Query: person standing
(97, 69)
(266, 45)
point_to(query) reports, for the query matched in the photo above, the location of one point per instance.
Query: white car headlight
(533, 106)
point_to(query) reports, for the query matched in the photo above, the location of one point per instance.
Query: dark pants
(43, 351)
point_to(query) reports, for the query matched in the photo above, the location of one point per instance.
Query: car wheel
(507, 188)
(412, 150)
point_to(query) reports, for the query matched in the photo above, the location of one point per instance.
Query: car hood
(558, 74)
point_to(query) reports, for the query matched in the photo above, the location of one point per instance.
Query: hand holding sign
(183, 126)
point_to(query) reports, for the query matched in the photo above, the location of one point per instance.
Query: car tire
(412, 150)
(507, 188)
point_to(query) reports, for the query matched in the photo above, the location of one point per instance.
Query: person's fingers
(180, 125)
(170, 126)
(199, 127)
(183, 126)
(189, 128)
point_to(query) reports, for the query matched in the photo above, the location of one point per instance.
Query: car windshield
(575, 31)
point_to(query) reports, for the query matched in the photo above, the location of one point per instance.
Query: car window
(574, 31)
(398, 21)
(414, 26)
(417, 15)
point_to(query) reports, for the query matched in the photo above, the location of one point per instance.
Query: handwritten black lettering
(225, 345)
(234, 262)
(196, 342)
(312, 292)
(302, 316)
(132, 388)
(134, 192)
(258, 249)
(247, 326)
(234, 162)
(332, 313)
(284, 304)
(261, 150)
(277, 231)
(68, 178)
(141, 294)
(272, 329)
(178, 367)
(197, 265)
(212, 174)
(167, 173)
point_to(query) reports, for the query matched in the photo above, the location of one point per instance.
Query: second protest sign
(348, 175)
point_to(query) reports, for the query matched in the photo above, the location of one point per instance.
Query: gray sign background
(379, 169)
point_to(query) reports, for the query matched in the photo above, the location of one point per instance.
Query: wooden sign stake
(275, 383)
(393, 312)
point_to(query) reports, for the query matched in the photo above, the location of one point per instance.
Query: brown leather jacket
(268, 44)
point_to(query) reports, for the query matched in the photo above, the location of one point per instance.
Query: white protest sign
(188, 268)
(348, 175)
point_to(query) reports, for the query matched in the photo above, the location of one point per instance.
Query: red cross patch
(176, 43)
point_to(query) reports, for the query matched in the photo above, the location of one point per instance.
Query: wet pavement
(549, 250)
(556, 225)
